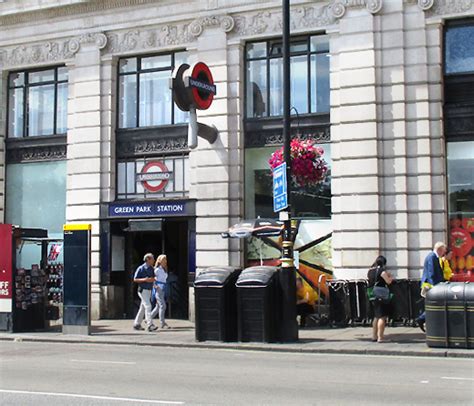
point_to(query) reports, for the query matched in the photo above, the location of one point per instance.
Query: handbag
(380, 292)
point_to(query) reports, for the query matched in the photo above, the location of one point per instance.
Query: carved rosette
(425, 4)
(374, 6)
(226, 23)
(338, 9)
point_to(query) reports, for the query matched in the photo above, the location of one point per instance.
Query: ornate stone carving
(301, 17)
(425, 4)
(38, 53)
(451, 6)
(99, 39)
(129, 148)
(37, 153)
(225, 22)
(51, 51)
(167, 35)
(338, 9)
(255, 139)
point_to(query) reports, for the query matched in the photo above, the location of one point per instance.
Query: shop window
(152, 178)
(37, 102)
(145, 99)
(35, 197)
(459, 51)
(461, 203)
(308, 202)
(309, 61)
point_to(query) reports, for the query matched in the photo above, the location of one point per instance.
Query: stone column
(84, 149)
(354, 145)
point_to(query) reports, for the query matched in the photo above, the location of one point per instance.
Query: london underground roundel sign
(202, 85)
(154, 176)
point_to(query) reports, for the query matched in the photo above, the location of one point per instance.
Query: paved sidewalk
(404, 341)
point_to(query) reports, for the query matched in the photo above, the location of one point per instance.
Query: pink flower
(307, 165)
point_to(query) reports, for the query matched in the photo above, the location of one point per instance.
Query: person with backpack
(379, 295)
(144, 276)
(161, 276)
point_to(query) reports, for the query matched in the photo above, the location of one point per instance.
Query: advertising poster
(5, 268)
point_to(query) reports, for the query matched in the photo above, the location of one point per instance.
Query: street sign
(280, 195)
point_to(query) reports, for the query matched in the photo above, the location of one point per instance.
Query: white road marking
(455, 378)
(75, 395)
(103, 362)
(424, 381)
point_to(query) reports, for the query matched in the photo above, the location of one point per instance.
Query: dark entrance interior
(169, 237)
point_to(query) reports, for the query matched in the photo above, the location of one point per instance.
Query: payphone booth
(77, 270)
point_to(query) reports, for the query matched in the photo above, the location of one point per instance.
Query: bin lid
(257, 276)
(450, 291)
(219, 268)
(212, 278)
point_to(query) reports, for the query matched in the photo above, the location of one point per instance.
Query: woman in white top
(161, 275)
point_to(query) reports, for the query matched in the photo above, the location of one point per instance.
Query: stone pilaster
(354, 146)
(86, 159)
(217, 170)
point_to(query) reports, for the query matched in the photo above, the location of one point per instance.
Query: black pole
(289, 328)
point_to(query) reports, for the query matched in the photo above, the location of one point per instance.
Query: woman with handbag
(379, 296)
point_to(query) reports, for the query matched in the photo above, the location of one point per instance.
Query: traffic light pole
(289, 327)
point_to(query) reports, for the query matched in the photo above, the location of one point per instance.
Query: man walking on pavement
(144, 277)
(432, 275)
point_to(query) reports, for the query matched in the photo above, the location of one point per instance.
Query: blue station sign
(151, 209)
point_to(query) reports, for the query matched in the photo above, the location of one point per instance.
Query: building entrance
(168, 237)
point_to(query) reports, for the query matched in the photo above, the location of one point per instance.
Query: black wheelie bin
(258, 304)
(216, 304)
(450, 315)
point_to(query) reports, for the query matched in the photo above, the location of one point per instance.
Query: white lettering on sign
(169, 208)
(120, 210)
(143, 209)
(4, 291)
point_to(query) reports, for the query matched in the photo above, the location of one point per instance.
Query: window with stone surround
(459, 134)
(309, 59)
(145, 99)
(37, 102)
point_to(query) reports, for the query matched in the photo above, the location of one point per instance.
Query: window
(459, 51)
(145, 98)
(37, 102)
(309, 66)
(307, 202)
(151, 178)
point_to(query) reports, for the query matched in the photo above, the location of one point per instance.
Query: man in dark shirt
(144, 277)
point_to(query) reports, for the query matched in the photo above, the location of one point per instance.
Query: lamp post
(289, 328)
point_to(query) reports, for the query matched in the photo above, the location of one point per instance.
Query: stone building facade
(387, 126)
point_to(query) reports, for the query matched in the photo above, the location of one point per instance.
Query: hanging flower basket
(308, 168)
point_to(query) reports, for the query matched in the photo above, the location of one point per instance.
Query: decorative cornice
(51, 51)
(131, 148)
(225, 22)
(301, 17)
(256, 139)
(36, 154)
(167, 35)
(441, 7)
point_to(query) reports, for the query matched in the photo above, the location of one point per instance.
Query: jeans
(160, 305)
(145, 308)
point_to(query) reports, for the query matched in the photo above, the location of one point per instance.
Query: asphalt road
(69, 374)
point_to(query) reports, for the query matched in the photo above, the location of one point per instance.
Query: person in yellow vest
(305, 300)
(445, 267)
